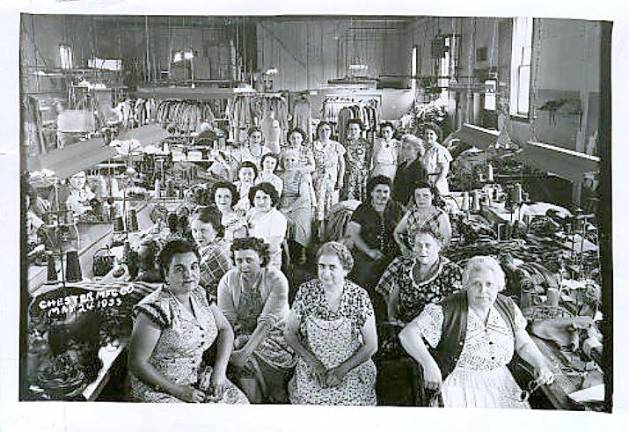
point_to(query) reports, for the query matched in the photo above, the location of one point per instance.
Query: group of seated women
(229, 292)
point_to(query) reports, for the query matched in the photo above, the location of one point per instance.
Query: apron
(333, 342)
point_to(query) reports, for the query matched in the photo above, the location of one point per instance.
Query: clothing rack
(339, 109)
(254, 109)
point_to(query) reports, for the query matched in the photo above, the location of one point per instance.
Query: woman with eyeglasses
(474, 335)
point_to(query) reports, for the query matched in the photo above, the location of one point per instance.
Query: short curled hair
(273, 156)
(225, 185)
(252, 243)
(356, 121)
(423, 184)
(321, 124)
(174, 247)
(210, 215)
(435, 128)
(480, 263)
(340, 251)
(387, 124)
(253, 129)
(268, 189)
(296, 130)
(248, 164)
(375, 181)
(426, 229)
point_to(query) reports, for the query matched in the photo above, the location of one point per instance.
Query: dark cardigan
(454, 328)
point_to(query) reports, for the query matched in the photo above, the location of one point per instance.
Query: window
(521, 50)
(65, 54)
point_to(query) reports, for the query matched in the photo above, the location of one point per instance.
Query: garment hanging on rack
(251, 110)
(302, 116)
(339, 110)
(184, 115)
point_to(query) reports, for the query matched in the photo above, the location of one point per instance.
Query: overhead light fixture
(188, 55)
(178, 57)
(272, 71)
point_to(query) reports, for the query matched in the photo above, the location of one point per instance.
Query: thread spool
(52, 269)
(475, 201)
(73, 267)
(158, 189)
(552, 297)
(490, 173)
(133, 220)
(118, 224)
(515, 193)
(465, 205)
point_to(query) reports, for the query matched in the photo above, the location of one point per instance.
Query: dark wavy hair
(387, 124)
(296, 130)
(268, 189)
(211, 215)
(253, 129)
(357, 121)
(224, 185)
(435, 128)
(271, 155)
(423, 184)
(172, 248)
(248, 164)
(375, 181)
(321, 124)
(252, 243)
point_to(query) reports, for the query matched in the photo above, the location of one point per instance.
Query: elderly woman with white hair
(474, 334)
(410, 169)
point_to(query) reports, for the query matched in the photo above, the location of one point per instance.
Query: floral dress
(481, 378)
(333, 337)
(265, 303)
(357, 172)
(182, 342)
(414, 296)
(326, 174)
(233, 222)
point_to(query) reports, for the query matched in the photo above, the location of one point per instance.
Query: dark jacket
(405, 179)
(454, 327)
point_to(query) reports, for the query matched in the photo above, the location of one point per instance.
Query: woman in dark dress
(410, 171)
(370, 231)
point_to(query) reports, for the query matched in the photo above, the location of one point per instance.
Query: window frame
(521, 58)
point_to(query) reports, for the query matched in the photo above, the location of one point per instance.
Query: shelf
(199, 93)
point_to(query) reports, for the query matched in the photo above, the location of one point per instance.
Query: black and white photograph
(341, 210)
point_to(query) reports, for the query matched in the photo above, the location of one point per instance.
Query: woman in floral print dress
(331, 326)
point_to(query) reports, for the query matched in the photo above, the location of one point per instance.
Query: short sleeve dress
(481, 378)
(434, 156)
(180, 347)
(326, 173)
(333, 337)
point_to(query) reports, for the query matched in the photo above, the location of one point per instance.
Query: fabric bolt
(333, 337)
(325, 177)
(265, 177)
(215, 262)
(481, 378)
(433, 157)
(265, 303)
(270, 226)
(297, 207)
(179, 349)
(358, 160)
(384, 159)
